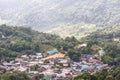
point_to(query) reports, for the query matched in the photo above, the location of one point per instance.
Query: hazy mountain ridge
(78, 30)
(49, 14)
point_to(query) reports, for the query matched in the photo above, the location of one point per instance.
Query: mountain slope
(45, 15)
(15, 41)
(78, 30)
(106, 33)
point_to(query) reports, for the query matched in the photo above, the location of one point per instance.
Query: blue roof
(77, 63)
(38, 56)
(47, 77)
(84, 67)
(96, 65)
(53, 51)
(89, 56)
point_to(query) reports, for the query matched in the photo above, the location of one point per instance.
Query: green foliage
(107, 59)
(85, 76)
(21, 40)
(74, 55)
(101, 75)
(16, 76)
(105, 33)
(37, 68)
(39, 76)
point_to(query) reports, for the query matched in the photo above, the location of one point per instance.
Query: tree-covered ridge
(15, 41)
(105, 33)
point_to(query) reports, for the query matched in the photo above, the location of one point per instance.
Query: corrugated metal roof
(53, 51)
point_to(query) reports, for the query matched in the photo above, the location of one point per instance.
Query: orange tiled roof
(59, 55)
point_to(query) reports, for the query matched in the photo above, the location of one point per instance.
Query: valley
(59, 40)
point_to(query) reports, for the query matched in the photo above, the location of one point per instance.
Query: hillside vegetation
(106, 33)
(78, 30)
(15, 41)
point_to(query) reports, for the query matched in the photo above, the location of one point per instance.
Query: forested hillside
(106, 33)
(15, 41)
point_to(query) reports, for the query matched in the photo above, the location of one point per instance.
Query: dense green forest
(15, 41)
(105, 33)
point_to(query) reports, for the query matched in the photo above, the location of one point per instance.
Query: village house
(56, 64)
(116, 39)
(54, 51)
